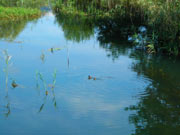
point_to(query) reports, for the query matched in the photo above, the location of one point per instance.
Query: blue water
(81, 106)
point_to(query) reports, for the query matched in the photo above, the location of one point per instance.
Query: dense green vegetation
(23, 3)
(160, 17)
(115, 19)
(14, 13)
(20, 9)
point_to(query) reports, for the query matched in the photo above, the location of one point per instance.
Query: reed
(18, 13)
(161, 17)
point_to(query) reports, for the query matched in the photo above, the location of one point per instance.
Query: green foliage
(24, 3)
(13, 13)
(159, 16)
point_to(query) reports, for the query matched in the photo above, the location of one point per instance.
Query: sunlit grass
(17, 13)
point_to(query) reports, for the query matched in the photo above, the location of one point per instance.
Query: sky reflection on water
(84, 107)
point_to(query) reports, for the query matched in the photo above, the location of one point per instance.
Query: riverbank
(18, 13)
(161, 18)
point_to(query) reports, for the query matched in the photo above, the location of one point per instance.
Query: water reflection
(76, 28)
(158, 109)
(112, 34)
(7, 59)
(94, 106)
(9, 30)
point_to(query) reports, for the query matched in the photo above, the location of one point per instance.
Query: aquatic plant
(46, 88)
(7, 58)
(40, 76)
(43, 81)
(8, 110)
(142, 41)
(52, 88)
(52, 49)
(42, 57)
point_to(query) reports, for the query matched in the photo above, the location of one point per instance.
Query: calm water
(133, 93)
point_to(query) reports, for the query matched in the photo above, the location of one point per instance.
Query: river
(65, 76)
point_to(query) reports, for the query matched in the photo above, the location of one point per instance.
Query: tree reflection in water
(158, 109)
(9, 30)
(76, 28)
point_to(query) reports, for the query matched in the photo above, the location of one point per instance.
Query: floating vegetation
(41, 108)
(54, 49)
(43, 81)
(37, 82)
(8, 110)
(48, 88)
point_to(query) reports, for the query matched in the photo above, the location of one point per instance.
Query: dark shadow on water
(158, 109)
(112, 34)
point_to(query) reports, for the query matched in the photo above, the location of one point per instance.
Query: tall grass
(24, 3)
(14, 13)
(161, 17)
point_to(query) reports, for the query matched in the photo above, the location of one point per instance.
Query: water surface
(52, 57)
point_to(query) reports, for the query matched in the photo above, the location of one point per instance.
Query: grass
(73, 11)
(161, 17)
(18, 13)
